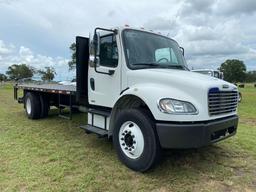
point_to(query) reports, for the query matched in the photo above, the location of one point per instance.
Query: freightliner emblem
(225, 86)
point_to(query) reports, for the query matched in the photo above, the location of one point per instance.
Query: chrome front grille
(222, 102)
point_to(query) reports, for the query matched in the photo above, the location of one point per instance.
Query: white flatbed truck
(136, 88)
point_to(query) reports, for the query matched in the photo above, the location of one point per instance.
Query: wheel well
(127, 102)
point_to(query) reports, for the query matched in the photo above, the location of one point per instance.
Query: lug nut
(123, 134)
(125, 131)
(123, 144)
(130, 149)
(122, 138)
(134, 142)
(126, 148)
(133, 136)
(133, 147)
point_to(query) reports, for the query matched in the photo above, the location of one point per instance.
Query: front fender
(151, 93)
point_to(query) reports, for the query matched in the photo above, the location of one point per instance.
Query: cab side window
(108, 51)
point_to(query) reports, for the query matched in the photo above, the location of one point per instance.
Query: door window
(108, 51)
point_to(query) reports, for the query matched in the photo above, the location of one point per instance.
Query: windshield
(147, 50)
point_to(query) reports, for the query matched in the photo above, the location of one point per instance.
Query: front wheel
(135, 140)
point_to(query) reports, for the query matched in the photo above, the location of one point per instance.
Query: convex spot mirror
(182, 51)
(94, 50)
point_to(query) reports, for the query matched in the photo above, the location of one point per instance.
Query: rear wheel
(135, 140)
(32, 105)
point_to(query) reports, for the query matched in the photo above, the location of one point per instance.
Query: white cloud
(13, 55)
(162, 24)
(236, 7)
(5, 49)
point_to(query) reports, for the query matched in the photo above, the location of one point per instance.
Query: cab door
(104, 80)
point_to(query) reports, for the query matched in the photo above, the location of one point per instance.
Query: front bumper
(195, 134)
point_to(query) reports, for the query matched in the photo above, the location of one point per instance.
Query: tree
(3, 77)
(16, 72)
(48, 74)
(234, 70)
(251, 76)
(72, 63)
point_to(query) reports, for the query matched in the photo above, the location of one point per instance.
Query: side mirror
(96, 53)
(182, 50)
(96, 43)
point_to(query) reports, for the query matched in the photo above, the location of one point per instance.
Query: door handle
(92, 84)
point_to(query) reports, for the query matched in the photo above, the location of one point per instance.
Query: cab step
(104, 113)
(92, 129)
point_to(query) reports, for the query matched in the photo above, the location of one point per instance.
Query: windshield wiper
(161, 65)
(147, 64)
(178, 67)
(185, 67)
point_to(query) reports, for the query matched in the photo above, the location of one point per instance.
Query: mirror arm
(110, 71)
(103, 29)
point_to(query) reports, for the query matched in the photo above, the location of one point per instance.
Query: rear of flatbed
(60, 96)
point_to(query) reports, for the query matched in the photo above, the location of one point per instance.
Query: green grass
(55, 155)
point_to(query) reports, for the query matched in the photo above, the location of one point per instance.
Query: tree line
(22, 71)
(234, 70)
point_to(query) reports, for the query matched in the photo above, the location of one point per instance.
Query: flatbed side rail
(44, 89)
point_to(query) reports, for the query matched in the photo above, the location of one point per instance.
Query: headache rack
(222, 102)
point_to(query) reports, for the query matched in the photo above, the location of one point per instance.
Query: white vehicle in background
(215, 73)
(67, 83)
(136, 88)
(210, 72)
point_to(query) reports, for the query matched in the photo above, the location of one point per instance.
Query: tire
(45, 107)
(32, 105)
(135, 140)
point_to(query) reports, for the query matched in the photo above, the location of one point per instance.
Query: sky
(39, 32)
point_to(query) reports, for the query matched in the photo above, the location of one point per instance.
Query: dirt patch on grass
(248, 121)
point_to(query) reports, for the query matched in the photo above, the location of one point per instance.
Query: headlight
(176, 107)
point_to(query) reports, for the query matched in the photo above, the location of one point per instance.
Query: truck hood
(177, 78)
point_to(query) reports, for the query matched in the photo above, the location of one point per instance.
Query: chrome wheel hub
(131, 140)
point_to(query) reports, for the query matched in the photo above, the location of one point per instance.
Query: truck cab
(137, 89)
